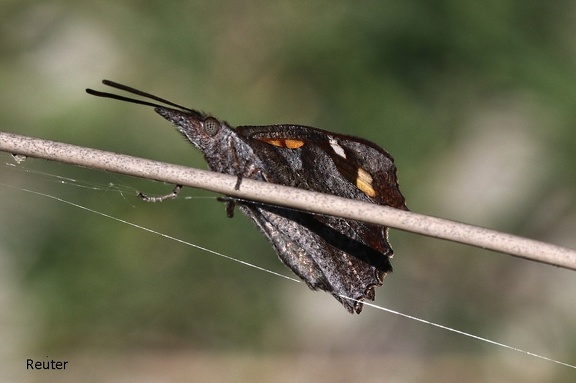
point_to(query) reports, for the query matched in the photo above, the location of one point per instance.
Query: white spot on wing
(336, 147)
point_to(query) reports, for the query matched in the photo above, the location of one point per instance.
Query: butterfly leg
(243, 168)
(250, 171)
(230, 205)
(161, 198)
(238, 182)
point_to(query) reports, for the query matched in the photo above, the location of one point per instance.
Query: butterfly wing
(344, 257)
(303, 244)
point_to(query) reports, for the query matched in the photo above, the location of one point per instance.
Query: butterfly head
(203, 131)
(200, 129)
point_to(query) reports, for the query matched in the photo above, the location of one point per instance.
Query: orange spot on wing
(283, 142)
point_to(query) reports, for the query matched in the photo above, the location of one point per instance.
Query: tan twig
(291, 197)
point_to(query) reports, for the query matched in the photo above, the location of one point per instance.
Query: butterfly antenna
(134, 100)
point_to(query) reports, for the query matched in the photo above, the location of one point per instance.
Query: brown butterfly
(343, 257)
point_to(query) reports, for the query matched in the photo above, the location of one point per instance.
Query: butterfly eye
(211, 126)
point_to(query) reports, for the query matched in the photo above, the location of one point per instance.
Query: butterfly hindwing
(311, 250)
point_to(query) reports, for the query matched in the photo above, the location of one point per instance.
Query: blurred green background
(475, 100)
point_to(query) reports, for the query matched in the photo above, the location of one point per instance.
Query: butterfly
(346, 258)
